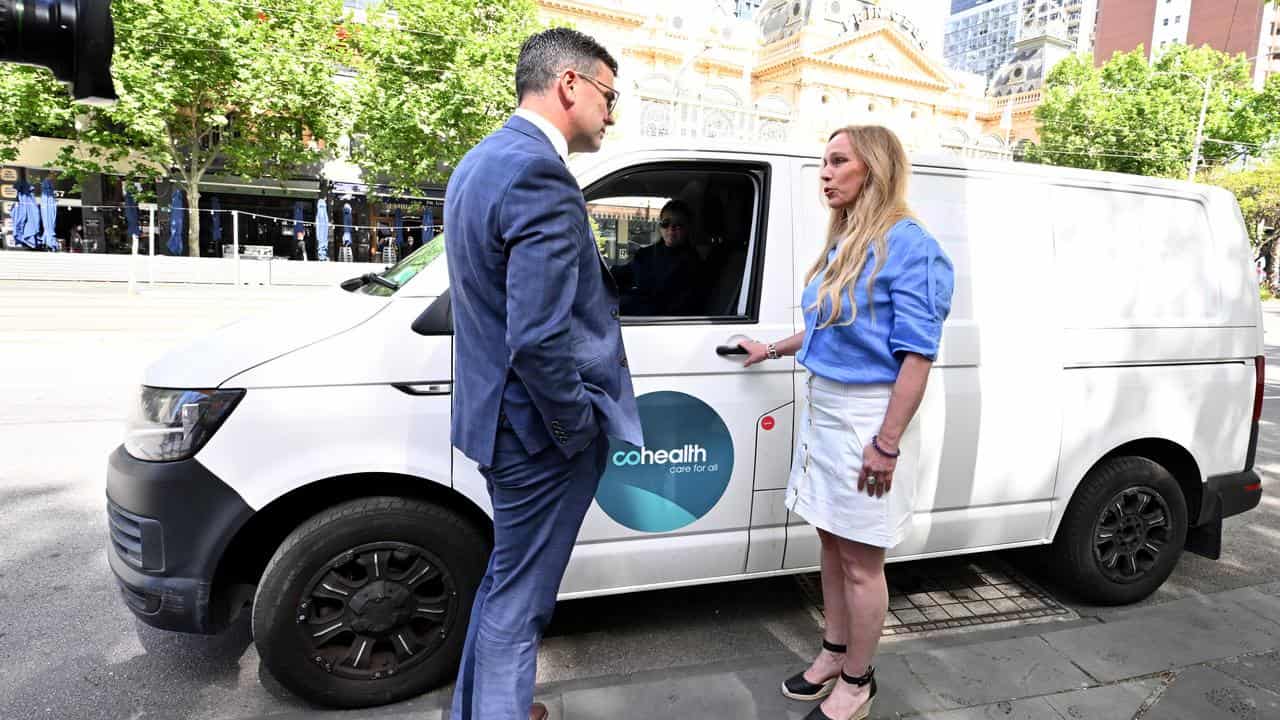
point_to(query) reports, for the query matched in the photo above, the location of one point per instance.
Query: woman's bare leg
(866, 596)
(827, 665)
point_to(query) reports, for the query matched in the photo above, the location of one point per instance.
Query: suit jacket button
(623, 362)
(613, 313)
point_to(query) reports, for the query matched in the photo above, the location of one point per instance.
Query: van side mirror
(437, 319)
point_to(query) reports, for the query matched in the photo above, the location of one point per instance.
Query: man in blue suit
(541, 378)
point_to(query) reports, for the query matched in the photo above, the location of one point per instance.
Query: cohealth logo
(678, 476)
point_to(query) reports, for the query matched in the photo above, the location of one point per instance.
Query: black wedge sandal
(864, 710)
(797, 688)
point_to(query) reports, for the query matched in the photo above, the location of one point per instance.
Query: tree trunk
(193, 218)
(1274, 264)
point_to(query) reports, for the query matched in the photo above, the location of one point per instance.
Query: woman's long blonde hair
(881, 203)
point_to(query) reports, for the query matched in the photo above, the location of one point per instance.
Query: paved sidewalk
(1215, 656)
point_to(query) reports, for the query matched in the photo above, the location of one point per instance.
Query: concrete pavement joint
(1166, 679)
(1077, 665)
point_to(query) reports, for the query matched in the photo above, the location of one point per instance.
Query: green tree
(34, 104)
(1134, 116)
(434, 78)
(235, 87)
(1257, 189)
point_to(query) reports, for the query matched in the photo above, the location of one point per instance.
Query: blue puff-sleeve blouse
(909, 301)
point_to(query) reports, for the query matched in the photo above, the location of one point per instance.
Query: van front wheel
(1123, 532)
(367, 602)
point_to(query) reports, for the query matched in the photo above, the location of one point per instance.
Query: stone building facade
(792, 73)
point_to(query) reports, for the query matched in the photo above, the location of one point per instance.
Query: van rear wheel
(1123, 532)
(367, 603)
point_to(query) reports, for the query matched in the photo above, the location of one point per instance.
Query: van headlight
(174, 424)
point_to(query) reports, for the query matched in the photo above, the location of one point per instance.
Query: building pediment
(885, 50)
(879, 51)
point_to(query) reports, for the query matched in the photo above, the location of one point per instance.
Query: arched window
(655, 119)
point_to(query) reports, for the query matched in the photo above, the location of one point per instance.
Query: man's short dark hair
(677, 207)
(547, 54)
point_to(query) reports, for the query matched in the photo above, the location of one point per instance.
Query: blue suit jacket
(535, 311)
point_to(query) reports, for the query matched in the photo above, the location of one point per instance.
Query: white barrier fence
(20, 265)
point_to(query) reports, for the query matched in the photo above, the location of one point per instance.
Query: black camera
(73, 38)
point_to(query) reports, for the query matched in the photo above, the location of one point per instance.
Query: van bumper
(1224, 496)
(168, 525)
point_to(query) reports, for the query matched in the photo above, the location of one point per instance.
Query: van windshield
(407, 269)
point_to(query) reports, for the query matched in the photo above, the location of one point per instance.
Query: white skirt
(836, 422)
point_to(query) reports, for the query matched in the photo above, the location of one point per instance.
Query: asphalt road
(72, 356)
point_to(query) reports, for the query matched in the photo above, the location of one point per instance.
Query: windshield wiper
(379, 280)
(365, 279)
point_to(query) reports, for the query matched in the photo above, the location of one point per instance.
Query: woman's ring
(871, 479)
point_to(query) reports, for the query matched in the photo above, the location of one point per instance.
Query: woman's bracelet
(875, 444)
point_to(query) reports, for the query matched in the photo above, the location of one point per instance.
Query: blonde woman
(874, 303)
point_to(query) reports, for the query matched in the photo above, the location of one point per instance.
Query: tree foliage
(1140, 117)
(34, 104)
(1257, 189)
(211, 85)
(434, 78)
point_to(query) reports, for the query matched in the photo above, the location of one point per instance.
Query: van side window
(680, 239)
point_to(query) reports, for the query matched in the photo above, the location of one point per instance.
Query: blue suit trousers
(539, 502)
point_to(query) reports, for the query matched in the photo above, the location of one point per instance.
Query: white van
(1098, 389)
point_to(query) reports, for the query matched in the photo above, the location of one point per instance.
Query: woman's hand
(876, 476)
(756, 352)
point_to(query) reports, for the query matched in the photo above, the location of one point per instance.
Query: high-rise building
(979, 37)
(980, 34)
(745, 9)
(1077, 15)
(1268, 62)
(1233, 26)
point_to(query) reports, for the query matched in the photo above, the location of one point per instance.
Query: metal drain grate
(951, 593)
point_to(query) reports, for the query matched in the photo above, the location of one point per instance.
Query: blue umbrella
(215, 227)
(428, 225)
(399, 232)
(298, 218)
(26, 217)
(48, 215)
(131, 216)
(177, 223)
(346, 223)
(322, 230)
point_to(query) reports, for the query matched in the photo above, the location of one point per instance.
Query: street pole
(1195, 150)
(235, 242)
(133, 264)
(151, 249)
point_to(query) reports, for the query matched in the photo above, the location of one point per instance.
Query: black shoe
(864, 710)
(797, 688)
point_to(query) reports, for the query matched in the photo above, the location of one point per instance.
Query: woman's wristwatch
(772, 351)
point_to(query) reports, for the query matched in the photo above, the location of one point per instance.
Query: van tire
(405, 573)
(1124, 507)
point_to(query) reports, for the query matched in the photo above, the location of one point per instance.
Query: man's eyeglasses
(664, 224)
(610, 95)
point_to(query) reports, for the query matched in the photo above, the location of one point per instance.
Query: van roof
(705, 148)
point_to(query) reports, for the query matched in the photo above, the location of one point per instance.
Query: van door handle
(732, 347)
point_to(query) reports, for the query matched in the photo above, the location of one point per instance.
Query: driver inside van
(665, 278)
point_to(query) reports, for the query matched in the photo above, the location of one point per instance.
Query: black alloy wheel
(1132, 531)
(1122, 532)
(367, 602)
(377, 609)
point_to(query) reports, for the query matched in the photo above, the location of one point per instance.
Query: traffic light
(73, 38)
